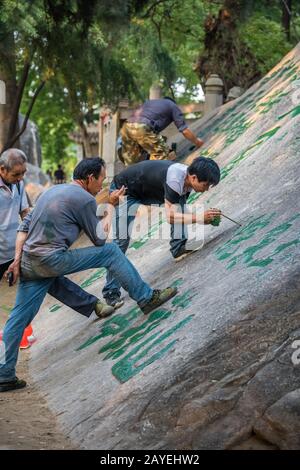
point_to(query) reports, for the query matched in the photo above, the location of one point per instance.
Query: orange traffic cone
(27, 338)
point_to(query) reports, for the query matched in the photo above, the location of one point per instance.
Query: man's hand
(199, 143)
(115, 196)
(172, 155)
(210, 215)
(15, 269)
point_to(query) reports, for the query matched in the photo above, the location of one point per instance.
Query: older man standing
(14, 204)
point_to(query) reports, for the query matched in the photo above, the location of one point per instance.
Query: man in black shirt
(161, 182)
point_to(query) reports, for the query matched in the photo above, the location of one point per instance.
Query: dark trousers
(123, 223)
(67, 292)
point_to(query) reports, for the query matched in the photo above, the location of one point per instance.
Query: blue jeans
(67, 292)
(37, 276)
(122, 227)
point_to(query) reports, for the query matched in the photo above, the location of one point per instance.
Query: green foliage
(266, 40)
(163, 43)
(52, 116)
(70, 46)
(98, 51)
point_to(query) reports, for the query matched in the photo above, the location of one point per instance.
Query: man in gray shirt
(59, 216)
(142, 131)
(14, 205)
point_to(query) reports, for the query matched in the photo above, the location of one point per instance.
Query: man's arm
(113, 201)
(183, 128)
(174, 216)
(24, 212)
(97, 230)
(21, 239)
(15, 265)
(189, 135)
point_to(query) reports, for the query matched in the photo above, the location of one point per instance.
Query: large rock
(35, 182)
(30, 142)
(213, 368)
(280, 422)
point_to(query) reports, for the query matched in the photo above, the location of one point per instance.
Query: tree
(243, 39)
(54, 38)
(162, 45)
(286, 17)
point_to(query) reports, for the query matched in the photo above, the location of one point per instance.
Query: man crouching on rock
(55, 223)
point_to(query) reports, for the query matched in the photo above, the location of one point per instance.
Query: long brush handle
(226, 217)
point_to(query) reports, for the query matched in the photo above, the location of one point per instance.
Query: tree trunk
(225, 53)
(8, 75)
(85, 141)
(286, 17)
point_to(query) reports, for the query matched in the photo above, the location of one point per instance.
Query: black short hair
(169, 98)
(88, 166)
(205, 169)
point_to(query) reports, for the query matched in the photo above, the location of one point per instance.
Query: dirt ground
(25, 420)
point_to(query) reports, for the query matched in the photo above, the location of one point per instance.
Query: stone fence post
(213, 93)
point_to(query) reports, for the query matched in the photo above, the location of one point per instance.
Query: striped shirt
(12, 202)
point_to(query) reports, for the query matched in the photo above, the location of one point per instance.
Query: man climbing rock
(141, 133)
(60, 214)
(160, 182)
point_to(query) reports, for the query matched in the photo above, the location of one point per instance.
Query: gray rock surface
(280, 422)
(30, 142)
(234, 92)
(213, 368)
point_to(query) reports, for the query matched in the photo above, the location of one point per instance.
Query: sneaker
(183, 253)
(103, 310)
(115, 302)
(12, 385)
(159, 297)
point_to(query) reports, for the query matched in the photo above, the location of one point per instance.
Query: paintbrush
(226, 217)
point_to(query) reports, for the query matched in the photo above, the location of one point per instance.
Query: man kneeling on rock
(56, 221)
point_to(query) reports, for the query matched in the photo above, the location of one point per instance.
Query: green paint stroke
(113, 326)
(145, 238)
(227, 252)
(235, 161)
(94, 277)
(293, 113)
(275, 98)
(133, 335)
(126, 335)
(129, 365)
(242, 234)
(121, 326)
(54, 308)
(6, 308)
(183, 300)
(288, 70)
(177, 282)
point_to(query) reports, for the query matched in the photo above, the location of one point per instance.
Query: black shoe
(182, 253)
(158, 298)
(12, 385)
(115, 302)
